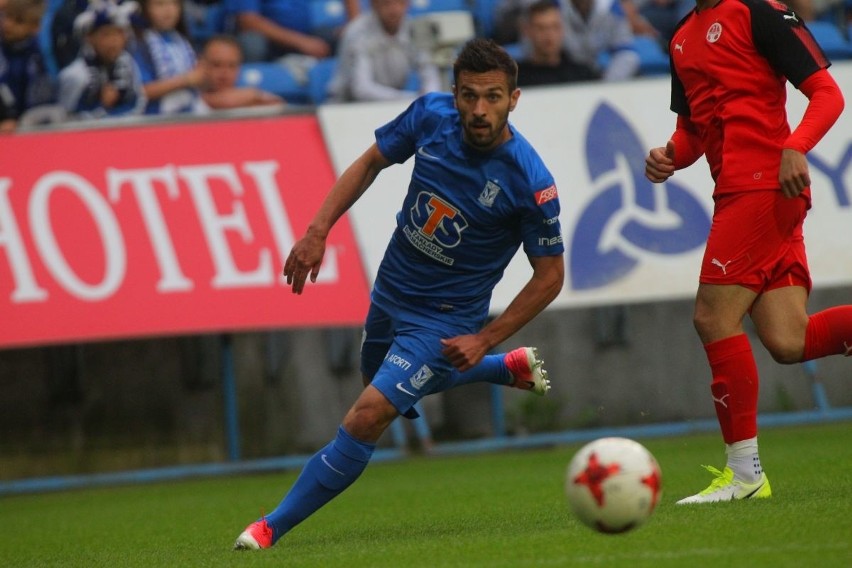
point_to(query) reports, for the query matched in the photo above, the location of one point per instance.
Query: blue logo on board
(629, 213)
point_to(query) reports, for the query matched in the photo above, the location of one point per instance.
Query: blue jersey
(466, 212)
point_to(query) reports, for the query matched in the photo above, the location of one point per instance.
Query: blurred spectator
(377, 57)
(24, 80)
(656, 18)
(171, 75)
(599, 35)
(545, 61)
(221, 59)
(103, 80)
(268, 29)
(64, 42)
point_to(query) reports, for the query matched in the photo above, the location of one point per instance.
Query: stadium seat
(319, 77)
(652, 59)
(327, 15)
(204, 21)
(516, 50)
(426, 6)
(830, 39)
(275, 78)
(483, 15)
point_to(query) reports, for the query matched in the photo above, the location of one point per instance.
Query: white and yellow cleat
(725, 488)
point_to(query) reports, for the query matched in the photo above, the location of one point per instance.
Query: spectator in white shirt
(377, 57)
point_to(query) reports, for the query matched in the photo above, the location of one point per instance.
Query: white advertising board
(626, 240)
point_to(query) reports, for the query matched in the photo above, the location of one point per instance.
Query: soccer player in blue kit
(478, 191)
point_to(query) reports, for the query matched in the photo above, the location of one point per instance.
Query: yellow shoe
(725, 488)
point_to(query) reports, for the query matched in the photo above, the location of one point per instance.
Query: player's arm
(465, 351)
(306, 256)
(680, 152)
(825, 103)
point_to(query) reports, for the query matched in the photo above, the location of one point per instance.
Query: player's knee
(368, 418)
(784, 349)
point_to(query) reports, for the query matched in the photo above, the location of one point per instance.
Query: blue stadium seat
(830, 39)
(516, 50)
(483, 15)
(204, 21)
(417, 7)
(327, 15)
(319, 77)
(275, 78)
(652, 59)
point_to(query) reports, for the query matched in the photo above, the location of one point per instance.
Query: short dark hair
(481, 55)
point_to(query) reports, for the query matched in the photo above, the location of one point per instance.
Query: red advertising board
(167, 229)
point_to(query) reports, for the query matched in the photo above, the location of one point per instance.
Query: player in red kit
(731, 60)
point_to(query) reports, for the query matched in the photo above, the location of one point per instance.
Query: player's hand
(304, 259)
(793, 174)
(464, 351)
(659, 165)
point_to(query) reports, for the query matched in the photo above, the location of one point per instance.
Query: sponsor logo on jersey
(421, 377)
(545, 195)
(435, 225)
(549, 241)
(489, 193)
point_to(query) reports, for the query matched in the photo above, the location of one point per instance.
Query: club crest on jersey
(714, 32)
(489, 193)
(545, 195)
(421, 377)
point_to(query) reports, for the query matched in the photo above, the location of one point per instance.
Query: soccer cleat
(526, 367)
(725, 488)
(256, 536)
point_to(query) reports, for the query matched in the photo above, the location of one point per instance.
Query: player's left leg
(328, 473)
(521, 368)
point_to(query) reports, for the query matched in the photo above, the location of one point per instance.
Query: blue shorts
(401, 352)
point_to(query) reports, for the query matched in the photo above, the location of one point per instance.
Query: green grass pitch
(494, 510)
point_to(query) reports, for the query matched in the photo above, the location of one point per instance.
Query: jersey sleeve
(397, 139)
(784, 40)
(542, 233)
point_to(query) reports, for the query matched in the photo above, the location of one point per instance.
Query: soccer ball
(613, 484)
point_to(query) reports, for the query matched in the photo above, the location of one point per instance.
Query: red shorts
(756, 241)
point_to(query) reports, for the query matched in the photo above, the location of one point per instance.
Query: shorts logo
(489, 193)
(421, 377)
(714, 33)
(720, 264)
(545, 195)
(394, 359)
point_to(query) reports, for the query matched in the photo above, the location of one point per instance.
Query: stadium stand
(831, 39)
(275, 78)
(652, 59)
(319, 77)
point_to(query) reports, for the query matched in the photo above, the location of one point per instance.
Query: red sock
(829, 332)
(734, 387)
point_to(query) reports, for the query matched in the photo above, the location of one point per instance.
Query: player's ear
(513, 99)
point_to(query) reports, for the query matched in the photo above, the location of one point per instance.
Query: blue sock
(323, 478)
(491, 369)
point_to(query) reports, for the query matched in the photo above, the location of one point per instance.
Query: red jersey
(730, 65)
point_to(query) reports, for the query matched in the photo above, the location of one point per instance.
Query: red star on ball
(653, 483)
(594, 475)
